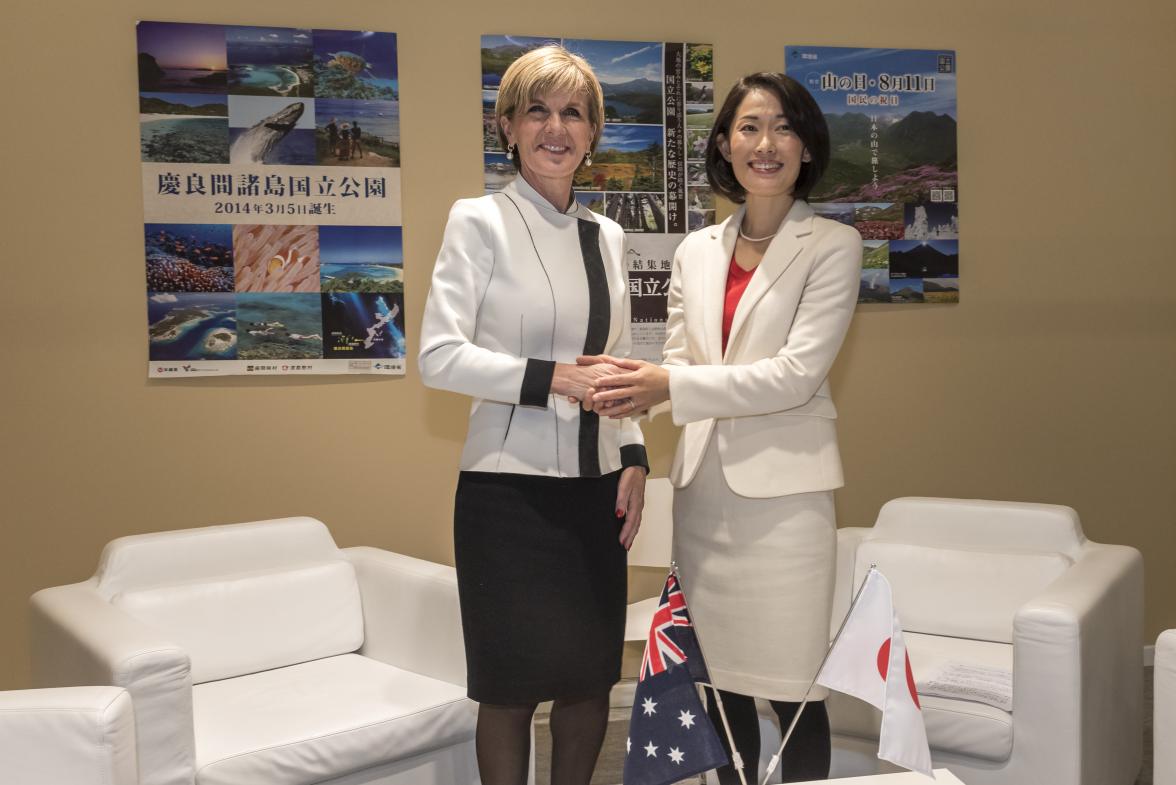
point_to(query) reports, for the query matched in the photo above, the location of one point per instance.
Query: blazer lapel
(714, 284)
(781, 252)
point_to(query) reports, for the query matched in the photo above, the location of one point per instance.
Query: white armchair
(1018, 587)
(261, 653)
(74, 735)
(1164, 710)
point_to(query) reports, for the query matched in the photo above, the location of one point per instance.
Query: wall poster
(893, 173)
(648, 173)
(271, 200)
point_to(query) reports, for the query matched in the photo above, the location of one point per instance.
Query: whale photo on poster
(893, 172)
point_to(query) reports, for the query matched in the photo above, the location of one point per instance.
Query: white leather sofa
(262, 653)
(68, 736)
(1164, 710)
(1011, 586)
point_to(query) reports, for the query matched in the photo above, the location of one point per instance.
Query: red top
(737, 279)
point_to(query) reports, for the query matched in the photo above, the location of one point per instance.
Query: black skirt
(542, 579)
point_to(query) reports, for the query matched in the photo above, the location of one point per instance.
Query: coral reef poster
(271, 200)
(647, 173)
(893, 173)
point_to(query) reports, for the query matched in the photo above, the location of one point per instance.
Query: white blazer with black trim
(517, 287)
(767, 399)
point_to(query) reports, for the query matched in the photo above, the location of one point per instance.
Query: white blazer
(767, 400)
(518, 286)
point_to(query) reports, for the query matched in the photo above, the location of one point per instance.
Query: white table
(942, 777)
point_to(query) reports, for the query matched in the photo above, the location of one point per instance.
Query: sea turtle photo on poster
(356, 64)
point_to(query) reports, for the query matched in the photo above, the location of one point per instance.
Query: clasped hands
(615, 387)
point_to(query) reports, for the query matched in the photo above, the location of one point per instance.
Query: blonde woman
(549, 496)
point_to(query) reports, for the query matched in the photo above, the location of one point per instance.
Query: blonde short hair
(547, 69)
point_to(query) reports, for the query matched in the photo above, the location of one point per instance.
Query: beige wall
(1052, 380)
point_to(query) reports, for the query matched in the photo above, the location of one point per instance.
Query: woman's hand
(630, 502)
(637, 387)
(574, 381)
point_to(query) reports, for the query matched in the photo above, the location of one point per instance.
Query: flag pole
(736, 758)
(775, 761)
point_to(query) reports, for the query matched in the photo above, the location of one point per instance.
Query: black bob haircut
(803, 115)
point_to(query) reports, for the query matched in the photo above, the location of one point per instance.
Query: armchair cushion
(960, 592)
(953, 725)
(317, 720)
(234, 625)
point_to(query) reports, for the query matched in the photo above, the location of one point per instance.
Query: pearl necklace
(757, 239)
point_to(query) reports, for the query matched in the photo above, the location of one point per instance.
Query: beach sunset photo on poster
(247, 236)
(270, 61)
(361, 259)
(175, 57)
(892, 123)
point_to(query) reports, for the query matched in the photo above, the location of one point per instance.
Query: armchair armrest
(1067, 643)
(80, 638)
(79, 735)
(411, 617)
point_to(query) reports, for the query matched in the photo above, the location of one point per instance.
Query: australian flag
(670, 736)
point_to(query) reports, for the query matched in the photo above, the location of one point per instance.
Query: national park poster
(659, 108)
(271, 199)
(893, 174)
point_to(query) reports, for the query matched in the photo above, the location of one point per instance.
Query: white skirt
(758, 576)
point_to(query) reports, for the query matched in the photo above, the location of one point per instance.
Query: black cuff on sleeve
(634, 455)
(537, 383)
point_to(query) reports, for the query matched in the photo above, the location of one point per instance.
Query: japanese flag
(869, 661)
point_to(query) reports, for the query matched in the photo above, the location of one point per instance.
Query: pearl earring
(588, 158)
(510, 151)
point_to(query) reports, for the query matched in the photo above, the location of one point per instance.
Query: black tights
(504, 740)
(806, 757)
